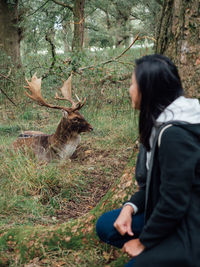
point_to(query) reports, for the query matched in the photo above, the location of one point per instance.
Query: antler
(66, 91)
(34, 87)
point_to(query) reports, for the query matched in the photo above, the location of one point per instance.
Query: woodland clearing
(49, 210)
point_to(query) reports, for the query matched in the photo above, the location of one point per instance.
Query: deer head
(72, 121)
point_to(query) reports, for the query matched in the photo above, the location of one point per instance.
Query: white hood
(181, 109)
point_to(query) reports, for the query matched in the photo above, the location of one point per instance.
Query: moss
(30, 242)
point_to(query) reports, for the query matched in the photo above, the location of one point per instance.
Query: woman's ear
(65, 114)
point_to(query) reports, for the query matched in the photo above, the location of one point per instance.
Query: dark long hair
(159, 84)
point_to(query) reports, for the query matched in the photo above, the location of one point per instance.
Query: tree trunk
(10, 33)
(179, 38)
(65, 28)
(123, 12)
(78, 12)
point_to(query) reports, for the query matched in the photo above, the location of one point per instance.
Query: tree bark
(78, 12)
(79, 25)
(10, 36)
(179, 38)
(65, 28)
(123, 29)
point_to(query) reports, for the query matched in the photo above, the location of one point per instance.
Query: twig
(160, 2)
(6, 76)
(136, 38)
(9, 73)
(37, 9)
(112, 59)
(63, 4)
(112, 80)
(126, 63)
(53, 53)
(8, 97)
(147, 37)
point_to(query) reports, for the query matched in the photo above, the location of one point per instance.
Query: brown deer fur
(60, 145)
(63, 143)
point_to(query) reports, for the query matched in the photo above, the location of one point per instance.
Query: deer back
(60, 145)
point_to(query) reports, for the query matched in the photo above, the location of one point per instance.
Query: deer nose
(90, 128)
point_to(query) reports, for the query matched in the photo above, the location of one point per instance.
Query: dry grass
(39, 193)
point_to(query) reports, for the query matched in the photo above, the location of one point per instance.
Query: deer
(63, 143)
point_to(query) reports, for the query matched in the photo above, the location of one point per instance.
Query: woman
(160, 225)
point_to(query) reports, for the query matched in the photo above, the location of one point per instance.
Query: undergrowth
(31, 191)
(34, 193)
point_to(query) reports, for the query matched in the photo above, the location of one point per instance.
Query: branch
(159, 2)
(135, 16)
(114, 80)
(148, 37)
(92, 27)
(38, 9)
(136, 38)
(53, 53)
(8, 97)
(63, 4)
(6, 77)
(112, 59)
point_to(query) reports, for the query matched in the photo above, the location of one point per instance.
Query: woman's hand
(124, 221)
(133, 247)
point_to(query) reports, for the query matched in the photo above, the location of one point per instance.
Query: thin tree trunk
(10, 33)
(65, 31)
(78, 12)
(179, 38)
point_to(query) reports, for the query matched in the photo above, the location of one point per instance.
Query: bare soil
(100, 169)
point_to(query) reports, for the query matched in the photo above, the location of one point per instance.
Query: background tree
(117, 14)
(178, 37)
(116, 22)
(41, 198)
(147, 14)
(11, 33)
(78, 19)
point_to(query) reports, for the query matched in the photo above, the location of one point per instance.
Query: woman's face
(134, 93)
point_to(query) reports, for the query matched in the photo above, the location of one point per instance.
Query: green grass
(35, 194)
(39, 195)
(31, 190)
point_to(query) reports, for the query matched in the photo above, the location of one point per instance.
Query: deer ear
(65, 114)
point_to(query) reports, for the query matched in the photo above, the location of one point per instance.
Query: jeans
(107, 233)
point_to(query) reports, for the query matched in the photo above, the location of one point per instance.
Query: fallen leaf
(197, 61)
(67, 239)
(88, 152)
(106, 256)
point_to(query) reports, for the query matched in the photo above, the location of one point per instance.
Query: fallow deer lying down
(63, 143)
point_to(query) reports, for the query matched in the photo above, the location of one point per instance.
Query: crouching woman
(160, 225)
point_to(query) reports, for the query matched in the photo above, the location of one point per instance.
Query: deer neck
(65, 141)
(64, 133)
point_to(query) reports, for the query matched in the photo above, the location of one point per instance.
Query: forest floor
(37, 194)
(101, 168)
(48, 212)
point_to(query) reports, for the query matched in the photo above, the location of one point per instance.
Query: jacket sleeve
(138, 198)
(177, 162)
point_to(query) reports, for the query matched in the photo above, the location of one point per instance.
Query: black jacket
(171, 233)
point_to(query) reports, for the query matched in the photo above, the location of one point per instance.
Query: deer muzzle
(90, 128)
